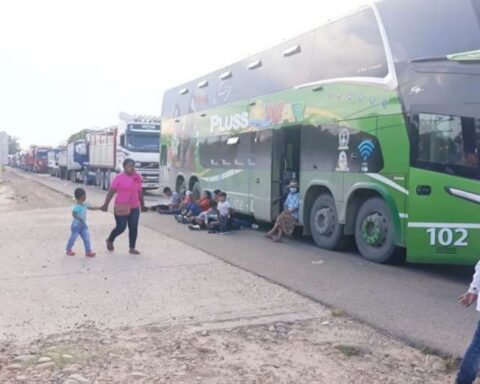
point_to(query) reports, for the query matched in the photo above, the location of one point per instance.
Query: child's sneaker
(193, 227)
(70, 252)
(90, 254)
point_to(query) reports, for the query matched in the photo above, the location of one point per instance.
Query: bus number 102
(447, 237)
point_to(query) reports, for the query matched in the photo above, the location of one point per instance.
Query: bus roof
(194, 90)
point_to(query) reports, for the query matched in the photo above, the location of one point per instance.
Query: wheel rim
(325, 221)
(375, 229)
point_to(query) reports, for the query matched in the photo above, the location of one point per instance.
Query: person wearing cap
(287, 220)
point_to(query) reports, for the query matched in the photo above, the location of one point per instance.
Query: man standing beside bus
(471, 360)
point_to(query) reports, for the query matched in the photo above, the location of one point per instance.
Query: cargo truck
(62, 163)
(30, 159)
(135, 137)
(53, 161)
(77, 155)
(40, 159)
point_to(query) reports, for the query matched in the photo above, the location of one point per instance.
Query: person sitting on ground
(237, 224)
(195, 208)
(204, 202)
(207, 219)
(187, 199)
(215, 194)
(192, 210)
(173, 201)
(287, 220)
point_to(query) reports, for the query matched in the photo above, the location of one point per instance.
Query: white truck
(135, 137)
(52, 157)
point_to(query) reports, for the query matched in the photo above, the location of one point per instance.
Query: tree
(13, 145)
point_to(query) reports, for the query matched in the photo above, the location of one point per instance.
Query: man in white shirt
(471, 360)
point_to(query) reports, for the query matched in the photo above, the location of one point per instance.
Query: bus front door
(285, 164)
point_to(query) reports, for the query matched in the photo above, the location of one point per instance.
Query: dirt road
(172, 315)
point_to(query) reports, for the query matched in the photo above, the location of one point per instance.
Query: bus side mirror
(122, 140)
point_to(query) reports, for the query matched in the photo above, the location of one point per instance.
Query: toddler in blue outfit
(79, 224)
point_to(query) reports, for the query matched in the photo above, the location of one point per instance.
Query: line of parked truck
(95, 156)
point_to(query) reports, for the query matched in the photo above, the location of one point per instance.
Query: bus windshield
(419, 29)
(143, 142)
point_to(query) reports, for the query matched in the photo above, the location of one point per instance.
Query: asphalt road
(415, 303)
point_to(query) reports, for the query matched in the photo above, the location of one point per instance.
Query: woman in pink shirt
(128, 202)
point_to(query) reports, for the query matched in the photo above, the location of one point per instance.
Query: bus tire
(326, 231)
(374, 232)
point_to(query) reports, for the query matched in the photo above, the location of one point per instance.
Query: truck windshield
(42, 154)
(418, 29)
(143, 142)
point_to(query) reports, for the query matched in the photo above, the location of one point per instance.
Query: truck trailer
(62, 163)
(135, 137)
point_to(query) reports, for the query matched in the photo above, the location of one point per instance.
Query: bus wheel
(324, 226)
(374, 231)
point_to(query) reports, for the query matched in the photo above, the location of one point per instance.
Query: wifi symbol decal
(366, 148)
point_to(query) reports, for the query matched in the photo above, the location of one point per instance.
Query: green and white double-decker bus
(377, 114)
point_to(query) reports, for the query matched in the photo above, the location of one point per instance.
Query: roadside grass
(348, 350)
(337, 312)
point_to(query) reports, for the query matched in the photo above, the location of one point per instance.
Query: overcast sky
(69, 65)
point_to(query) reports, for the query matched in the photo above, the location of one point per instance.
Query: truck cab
(77, 156)
(53, 161)
(139, 139)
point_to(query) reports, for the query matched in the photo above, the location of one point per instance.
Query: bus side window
(163, 155)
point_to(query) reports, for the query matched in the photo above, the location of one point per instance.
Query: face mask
(292, 189)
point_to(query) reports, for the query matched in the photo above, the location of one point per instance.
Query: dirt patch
(18, 193)
(311, 351)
